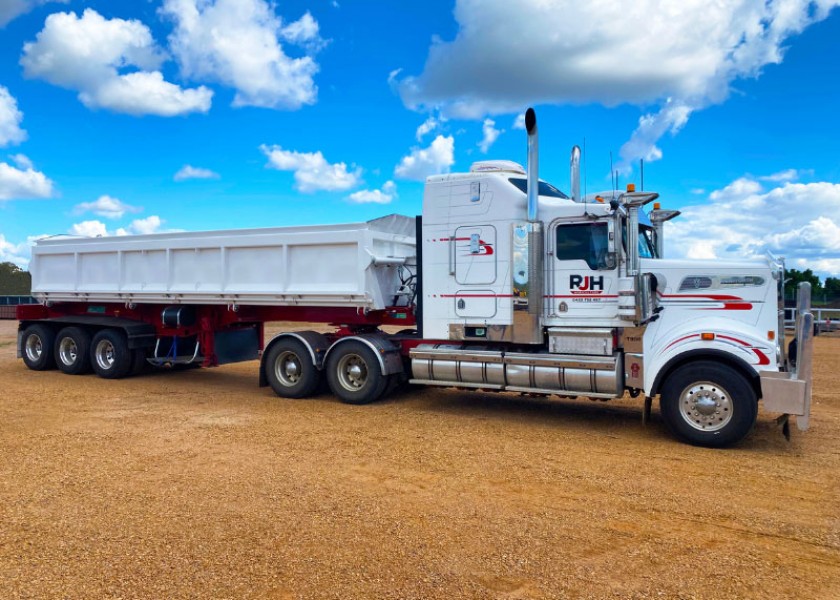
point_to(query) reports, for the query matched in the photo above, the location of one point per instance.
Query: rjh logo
(586, 283)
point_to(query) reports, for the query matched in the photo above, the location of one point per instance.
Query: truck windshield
(546, 189)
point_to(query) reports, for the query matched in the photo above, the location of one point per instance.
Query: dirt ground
(199, 484)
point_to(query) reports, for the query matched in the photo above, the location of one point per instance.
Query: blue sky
(299, 112)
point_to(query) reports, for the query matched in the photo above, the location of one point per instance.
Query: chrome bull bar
(789, 392)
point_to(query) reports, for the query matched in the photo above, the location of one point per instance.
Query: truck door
(583, 282)
(473, 252)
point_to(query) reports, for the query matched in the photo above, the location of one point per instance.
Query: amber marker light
(771, 335)
(631, 187)
(707, 337)
(656, 206)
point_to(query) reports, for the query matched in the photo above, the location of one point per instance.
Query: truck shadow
(608, 419)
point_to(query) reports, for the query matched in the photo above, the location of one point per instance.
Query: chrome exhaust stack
(529, 298)
(533, 165)
(574, 167)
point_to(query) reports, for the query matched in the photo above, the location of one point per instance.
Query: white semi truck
(505, 284)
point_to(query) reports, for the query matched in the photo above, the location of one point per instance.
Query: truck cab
(550, 293)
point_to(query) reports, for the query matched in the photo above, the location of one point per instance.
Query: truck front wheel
(72, 351)
(354, 374)
(289, 370)
(110, 355)
(37, 347)
(709, 404)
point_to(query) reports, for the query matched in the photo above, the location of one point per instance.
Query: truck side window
(583, 241)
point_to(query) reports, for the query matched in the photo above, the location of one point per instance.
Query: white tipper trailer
(503, 284)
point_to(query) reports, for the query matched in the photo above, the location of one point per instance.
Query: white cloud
(9, 9)
(23, 183)
(304, 32)
(490, 133)
(96, 228)
(89, 229)
(237, 43)
(642, 144)
(797, 220)
(312, 171)
(145, 226)
(10, 119)
(87, 54)
(426, 127)
(22, 161)
(106, 206)
(20, 254)
(519, 121)
(438, 157)
(190, 172)
(383, 196)
(786, 175)
(569, 52)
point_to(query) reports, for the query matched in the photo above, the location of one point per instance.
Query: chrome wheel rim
(34, 347)
(68, 351)
(288, 368)
(104, 355)
(352, 372)
(706, 406)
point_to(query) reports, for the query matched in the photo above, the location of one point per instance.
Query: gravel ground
(199, 484)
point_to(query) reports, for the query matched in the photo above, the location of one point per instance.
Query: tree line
(827, 290)
(14, 281)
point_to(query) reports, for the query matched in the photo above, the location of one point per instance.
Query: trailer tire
(110, 356)
(289, 370)
(707, 403)
(354, 373)
(72, 351)
(37, 347)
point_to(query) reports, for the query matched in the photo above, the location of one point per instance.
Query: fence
(9, 303)
(825, 319)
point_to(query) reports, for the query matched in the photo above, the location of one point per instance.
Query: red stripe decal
(476, 295)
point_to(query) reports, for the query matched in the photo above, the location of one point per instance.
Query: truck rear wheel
(289, 370)
(110, 355)
(354, 374)
(37, 347)
(72, 351)
(709, 404)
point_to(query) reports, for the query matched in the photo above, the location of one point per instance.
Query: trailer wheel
(709, 404)
(289, 370)
(72, 351)
(354, 374)
(36, 347)
(110, 355)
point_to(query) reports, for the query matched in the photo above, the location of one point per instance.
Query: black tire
(354, 374)
(710, 404)
(139, 364)
(37, 347)
(289, 370)
(110, 355)
(72, 351)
